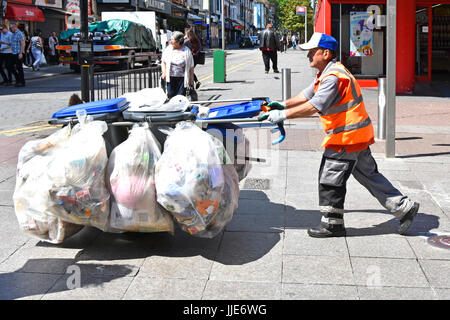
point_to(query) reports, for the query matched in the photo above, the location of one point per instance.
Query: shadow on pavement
(25, 283)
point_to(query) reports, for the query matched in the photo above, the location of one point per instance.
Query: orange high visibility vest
(346, 123)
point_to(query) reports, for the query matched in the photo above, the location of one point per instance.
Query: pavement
(264, 253)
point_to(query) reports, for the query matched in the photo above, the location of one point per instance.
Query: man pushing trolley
(337, 97)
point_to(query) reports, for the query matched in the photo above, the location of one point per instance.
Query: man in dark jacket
(269, 44)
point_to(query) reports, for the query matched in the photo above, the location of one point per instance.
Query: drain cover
(440, 241)
(257, 184)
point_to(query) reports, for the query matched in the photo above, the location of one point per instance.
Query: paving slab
(184, 264)
(437, 272)
(23, 285)
(298, 242)
(317, 270)
(424, 251)
(294, 291)
(89, 288)
(392, 293)
(383, 272)
(143, 288)
(241, 290)
(383, 246)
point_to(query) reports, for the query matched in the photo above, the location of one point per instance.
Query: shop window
(441, 42)
(361, 38)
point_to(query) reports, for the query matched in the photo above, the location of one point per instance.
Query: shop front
(54, 15)
(24, 14)
(423, 38)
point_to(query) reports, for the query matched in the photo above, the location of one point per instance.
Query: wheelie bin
(109, 110)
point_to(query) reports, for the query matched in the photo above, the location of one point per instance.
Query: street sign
(300, 11)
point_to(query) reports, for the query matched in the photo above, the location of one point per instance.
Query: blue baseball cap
(320, 40)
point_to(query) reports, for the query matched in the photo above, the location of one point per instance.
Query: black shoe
(276, 71)
(408, 218)
(327, 232)
(19, 85)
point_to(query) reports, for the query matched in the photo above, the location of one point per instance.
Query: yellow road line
(25, 128)
(231, 69)
(14, 132)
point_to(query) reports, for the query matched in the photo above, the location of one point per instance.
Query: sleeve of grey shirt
(308, 92)
(326, 96)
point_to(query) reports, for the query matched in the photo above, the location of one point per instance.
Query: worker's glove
(275, 105)
(276, 116)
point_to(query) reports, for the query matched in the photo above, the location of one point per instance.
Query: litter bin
(219, 66)
(109, 110)
(158, 119)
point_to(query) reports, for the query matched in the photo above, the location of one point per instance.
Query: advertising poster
(361, 34)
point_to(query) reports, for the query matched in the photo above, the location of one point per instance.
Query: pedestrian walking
(36, 47)
(284, 42)
(5, 55)
(192, 42)
(294, 41)
(337, 97)
(269, 44)
(18, 51)
(177, 66)
(53, 53)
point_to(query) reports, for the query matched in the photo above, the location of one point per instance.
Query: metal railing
(110, 85)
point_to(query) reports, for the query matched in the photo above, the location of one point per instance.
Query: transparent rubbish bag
(36, 213)
(196, 181)
(77, 175)
(130, 179)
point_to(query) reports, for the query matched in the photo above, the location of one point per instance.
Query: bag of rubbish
(196, 181)
(130, 179)
(35, 211)
(148, 98)
(77, 175)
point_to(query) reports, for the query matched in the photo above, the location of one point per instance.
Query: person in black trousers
(269, 45)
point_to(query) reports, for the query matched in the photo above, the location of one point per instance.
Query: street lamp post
(84, 37)
(223, 24)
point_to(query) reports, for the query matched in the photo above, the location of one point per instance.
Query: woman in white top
(177, 66)
(36, 47)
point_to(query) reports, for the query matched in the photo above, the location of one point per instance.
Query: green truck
(115, 42)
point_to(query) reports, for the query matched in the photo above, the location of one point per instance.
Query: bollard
(381, 129)
(286, 83)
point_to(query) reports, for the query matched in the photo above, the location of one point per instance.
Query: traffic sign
(300, 11)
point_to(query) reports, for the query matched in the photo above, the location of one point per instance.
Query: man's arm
(302, 111)
(296, 101)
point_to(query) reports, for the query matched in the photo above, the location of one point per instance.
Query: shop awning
(24, 13)
(191, 16)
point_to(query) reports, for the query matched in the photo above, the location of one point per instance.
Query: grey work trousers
(335, 170)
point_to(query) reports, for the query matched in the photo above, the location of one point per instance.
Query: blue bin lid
(94, 107)
(238, 110)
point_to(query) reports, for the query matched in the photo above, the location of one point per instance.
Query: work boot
(408, 218)
(332, 225)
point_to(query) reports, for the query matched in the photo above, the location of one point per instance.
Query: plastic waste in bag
(154, 100)
(77, 175)
(130, 177)
(196, 182)
(35, 211)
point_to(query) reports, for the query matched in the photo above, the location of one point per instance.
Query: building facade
(423, 38)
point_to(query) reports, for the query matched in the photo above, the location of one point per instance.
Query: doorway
(440, 54)
(432, 42)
